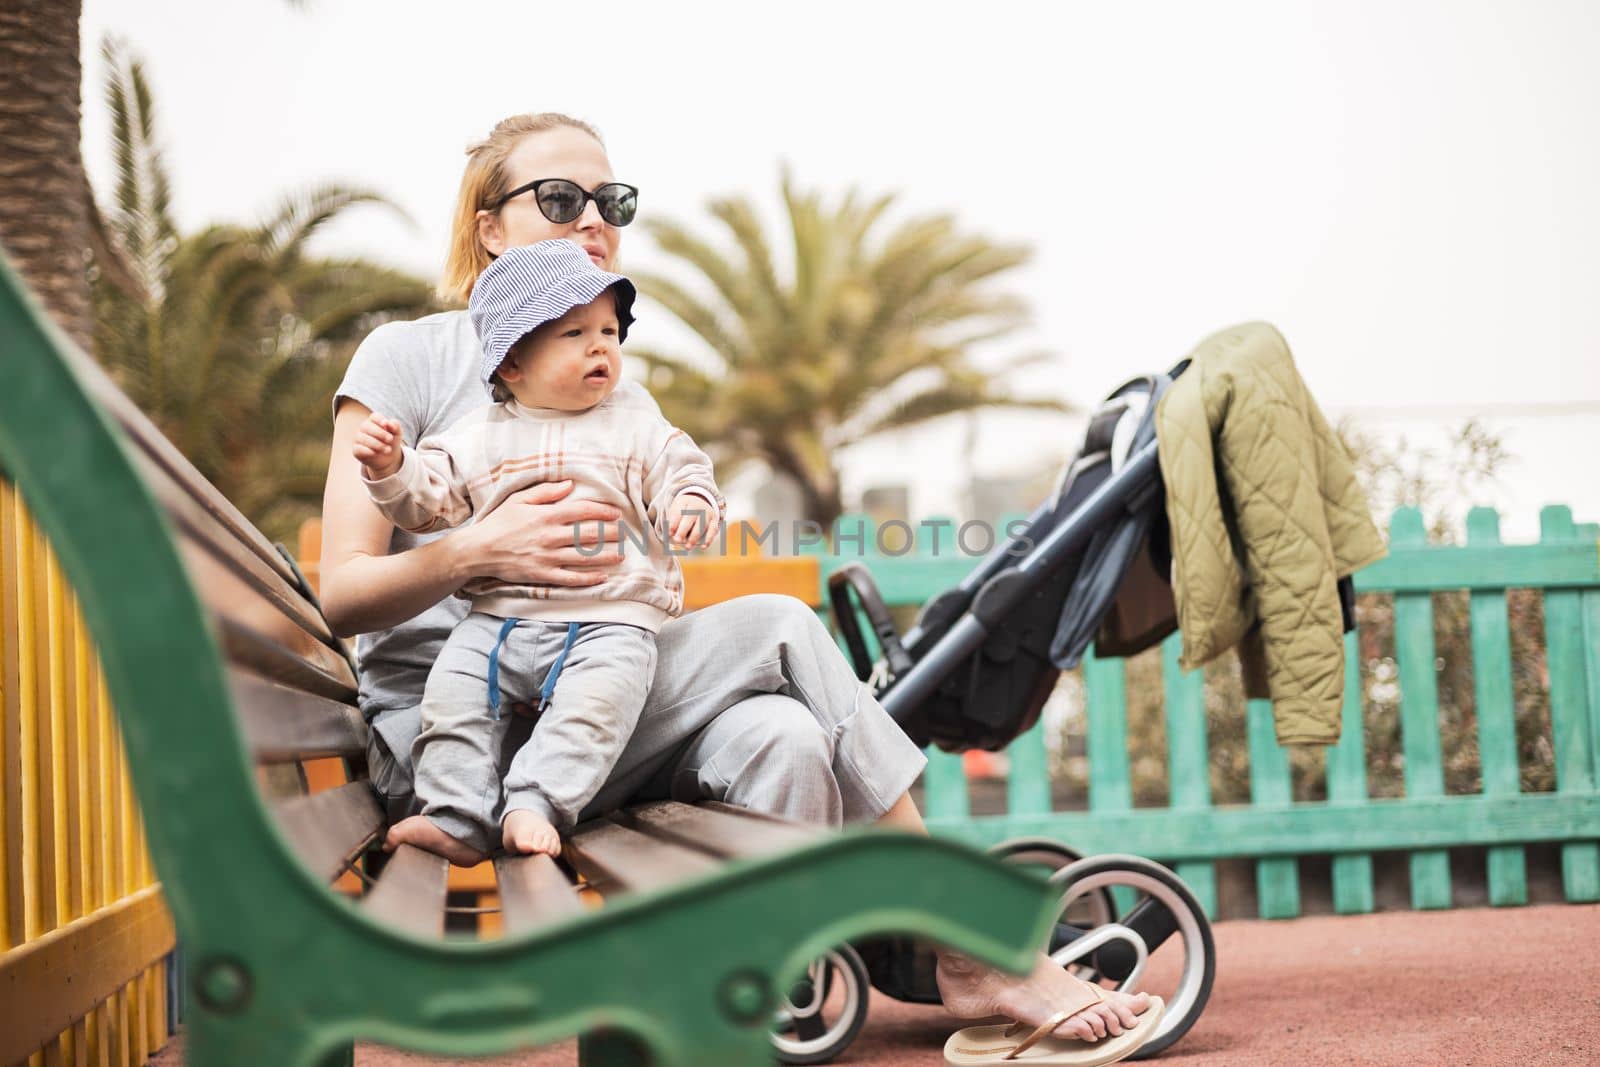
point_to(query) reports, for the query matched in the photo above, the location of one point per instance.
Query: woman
(751, 702)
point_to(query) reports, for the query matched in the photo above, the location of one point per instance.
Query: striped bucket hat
(528, 286)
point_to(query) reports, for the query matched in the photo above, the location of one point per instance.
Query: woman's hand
(377, 447)
(526, 539)
(538, 537)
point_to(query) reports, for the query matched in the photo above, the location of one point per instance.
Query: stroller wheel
(824, 1011)
(1159, 940)
(1043, 851)
(1049, 856)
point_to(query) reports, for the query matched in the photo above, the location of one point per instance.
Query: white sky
(1408, 190)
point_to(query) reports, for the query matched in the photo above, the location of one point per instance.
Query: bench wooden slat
(719, 829)
(231, 598)
(242, 577)
(202, 530)
(410, 892)
(162, 452)
(608, 853)
(329, 828)
(533, 892)
(760, 816)
(266, 657)
(280, 781)
(283, 725)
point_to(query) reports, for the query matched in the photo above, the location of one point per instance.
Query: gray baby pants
(461, 753)
(752, 704)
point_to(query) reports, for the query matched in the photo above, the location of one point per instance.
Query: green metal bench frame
(281, 971)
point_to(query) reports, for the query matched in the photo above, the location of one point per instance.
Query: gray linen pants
(460, 754)
(752, 704)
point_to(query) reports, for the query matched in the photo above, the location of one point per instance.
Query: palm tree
(867, 328)
(47, 222)
(49, 225)
(233, 338)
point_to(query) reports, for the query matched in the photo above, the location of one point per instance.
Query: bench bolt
(224, 986)
(746, 997)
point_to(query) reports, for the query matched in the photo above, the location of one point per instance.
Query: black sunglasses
(561, 201)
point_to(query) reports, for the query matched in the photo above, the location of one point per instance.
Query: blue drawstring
(548, 689)
(494, 667)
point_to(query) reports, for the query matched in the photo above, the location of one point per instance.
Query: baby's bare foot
(972, 991)
(420, 831)
(527, 832)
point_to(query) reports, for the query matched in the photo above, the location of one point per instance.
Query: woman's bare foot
(420, 831)
(972, 991)
(527, 832)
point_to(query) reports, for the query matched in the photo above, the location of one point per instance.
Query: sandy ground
(1468, 988)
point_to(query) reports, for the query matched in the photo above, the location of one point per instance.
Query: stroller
(975, 671)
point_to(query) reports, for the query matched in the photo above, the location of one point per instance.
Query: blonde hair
(484, 181)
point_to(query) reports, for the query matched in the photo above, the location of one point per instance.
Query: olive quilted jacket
(1266, 516)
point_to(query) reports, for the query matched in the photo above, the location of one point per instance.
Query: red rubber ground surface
(1472, 988)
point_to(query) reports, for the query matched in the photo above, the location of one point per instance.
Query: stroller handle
(1006, 589)
(857, 577)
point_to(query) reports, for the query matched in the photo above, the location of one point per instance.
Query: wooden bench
(227, 681)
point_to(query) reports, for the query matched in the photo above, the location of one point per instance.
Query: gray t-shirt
(424, 375)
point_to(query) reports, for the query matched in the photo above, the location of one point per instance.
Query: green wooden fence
(1192, 833)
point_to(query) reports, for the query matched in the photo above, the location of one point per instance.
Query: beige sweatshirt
(620, 452)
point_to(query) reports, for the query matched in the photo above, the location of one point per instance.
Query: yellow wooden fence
(84, 935)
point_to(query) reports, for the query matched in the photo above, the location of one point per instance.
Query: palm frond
(808, 231)
(672, 368)
(123, 150)
(140, 222)
(706, 260)
(866, 328)
(694, 313)
(951, 400)
(240, 337)
(300, 214)
(739, 216)
(343, 299)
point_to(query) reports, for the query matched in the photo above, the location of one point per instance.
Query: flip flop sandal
(992, 1046)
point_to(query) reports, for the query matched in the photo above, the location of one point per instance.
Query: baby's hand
(691, 521)
(377, 446)
(527, 833)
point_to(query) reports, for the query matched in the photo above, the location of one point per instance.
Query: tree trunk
(819, 498)
(44, 196)
(822, 504)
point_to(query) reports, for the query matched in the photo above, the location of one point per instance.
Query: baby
(551, 324)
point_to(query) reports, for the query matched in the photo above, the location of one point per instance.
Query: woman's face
(563, 152)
